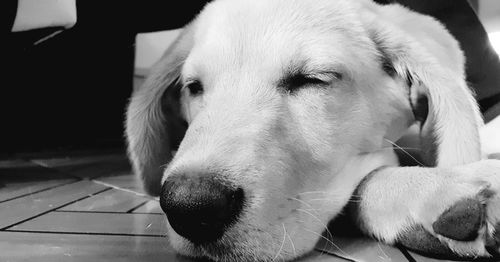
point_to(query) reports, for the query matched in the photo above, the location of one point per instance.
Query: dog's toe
(462, 221)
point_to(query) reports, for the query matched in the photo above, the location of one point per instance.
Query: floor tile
(56, 247)
(19, 209)
(111, 170)
(42, 247)
(19, 178)
(48, 215)
(14, 189)
(102, 223)
(152, 207)
(90, 166)
(361, 249)
(113, 200)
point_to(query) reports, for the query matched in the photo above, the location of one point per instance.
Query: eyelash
(194, 87)
(302, 80)
(299, 81)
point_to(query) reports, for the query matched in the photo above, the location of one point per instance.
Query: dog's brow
(310, 67)
(294, 82)
(301, 73)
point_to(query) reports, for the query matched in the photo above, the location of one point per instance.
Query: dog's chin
(226, 251)
(234, 247)
(222, 250)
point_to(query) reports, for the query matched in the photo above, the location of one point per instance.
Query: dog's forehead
(270, 35)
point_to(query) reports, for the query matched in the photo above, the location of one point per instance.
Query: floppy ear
(439, 96)
(154, 125)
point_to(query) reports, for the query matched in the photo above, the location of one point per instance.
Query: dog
(265, 117)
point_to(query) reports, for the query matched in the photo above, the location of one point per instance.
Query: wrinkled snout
(200, 207)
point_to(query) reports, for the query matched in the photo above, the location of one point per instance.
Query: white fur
(396, 199)
(300, 156)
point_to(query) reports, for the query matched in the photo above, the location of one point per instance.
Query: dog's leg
(434, 210)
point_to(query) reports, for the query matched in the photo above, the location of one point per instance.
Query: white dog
(280, 109)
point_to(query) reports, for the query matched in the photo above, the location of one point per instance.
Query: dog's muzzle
(200, 207)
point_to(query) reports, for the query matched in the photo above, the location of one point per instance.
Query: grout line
(104, 212)
(120, 188)
(93, 179)
(41, 190)
(50, 210)
(136, 207)
(405, 253)
(83, 233)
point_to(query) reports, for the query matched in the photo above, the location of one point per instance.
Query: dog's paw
(470, 226)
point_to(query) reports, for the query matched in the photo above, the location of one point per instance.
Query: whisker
(319, 220)
(321, 199)
(313, 192)
(383, 252)
(312, 209)
(305, 203)
(328, 199)
(291, 242)
(282, 243)
(399, 147)
(404, 151)
(165, 227)
(329, 241)
(316, 218)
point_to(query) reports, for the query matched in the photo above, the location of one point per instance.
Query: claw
(462, 221)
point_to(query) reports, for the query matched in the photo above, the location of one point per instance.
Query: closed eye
(297, 81)
(302, 80)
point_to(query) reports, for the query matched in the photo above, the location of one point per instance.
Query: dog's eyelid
(194, 86)
(301, 80)
(189, 80)
(326, 76)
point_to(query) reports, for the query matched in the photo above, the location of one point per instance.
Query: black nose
(200, 208)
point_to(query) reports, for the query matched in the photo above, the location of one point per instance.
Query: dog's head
(277, 110)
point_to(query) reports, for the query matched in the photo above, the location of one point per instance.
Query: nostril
(200, 208)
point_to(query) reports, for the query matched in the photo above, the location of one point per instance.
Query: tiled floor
(93, 209)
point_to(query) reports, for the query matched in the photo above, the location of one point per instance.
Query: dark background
(70, 92)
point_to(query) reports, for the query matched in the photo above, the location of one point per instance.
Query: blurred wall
(489, 12)
(149, 48)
